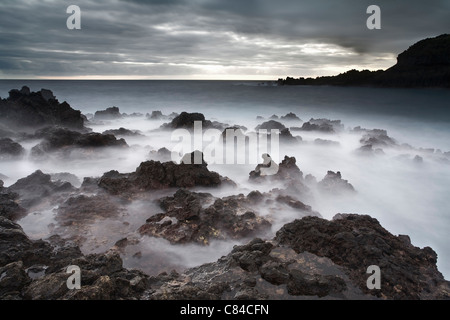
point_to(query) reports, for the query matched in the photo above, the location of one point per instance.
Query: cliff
(424, 64)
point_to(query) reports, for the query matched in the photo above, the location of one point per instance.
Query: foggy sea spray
(406, 195)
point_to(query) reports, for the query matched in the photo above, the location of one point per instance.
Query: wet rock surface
(356, 242)
(312, 258)
(86, 209)
(37, 270)
(200, 218)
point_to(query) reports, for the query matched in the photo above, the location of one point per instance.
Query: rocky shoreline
(305, 257)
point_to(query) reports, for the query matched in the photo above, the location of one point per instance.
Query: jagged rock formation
(24, 109)
(36, 187)
(37, 270)
(160, 175)
(313, 258)
(57, 138)
(200, 218)
(10, 150)
(186, 120)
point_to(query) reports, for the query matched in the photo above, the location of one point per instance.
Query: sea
(406, 196)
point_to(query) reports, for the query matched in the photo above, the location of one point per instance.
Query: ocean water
(406, 197)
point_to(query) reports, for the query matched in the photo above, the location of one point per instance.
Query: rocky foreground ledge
(308, 258)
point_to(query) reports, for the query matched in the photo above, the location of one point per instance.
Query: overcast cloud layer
(209, 39)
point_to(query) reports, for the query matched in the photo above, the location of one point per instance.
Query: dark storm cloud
(160, 38)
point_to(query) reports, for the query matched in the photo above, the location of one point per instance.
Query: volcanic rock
(57, 138)
(270, 125)
(36, 187)
(186, 120)
(122, 132)
(322, 125)
(334, 184)
(24, 109)
(157, 175)
(8, 205)
(108, 114)
(10, 149)
(290, 117)
(200, 218)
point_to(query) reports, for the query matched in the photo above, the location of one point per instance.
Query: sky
(209, 39)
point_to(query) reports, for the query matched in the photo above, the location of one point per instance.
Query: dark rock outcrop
(57, 138)
(9, 208)
(313, 258)
(36, 187)
(10, 149)
(355, 242)
(287, 171)
(123, 132)
(66, 177)
(24, 109)
(160, 175)
(322, 125)
(271, 125)
(377, 138)
(158, 115)
(108, 114)
(186, 120)
(333, 183)
(287, 137)
(200, 218)
(37, 270)
(290, 117)
(424, 64)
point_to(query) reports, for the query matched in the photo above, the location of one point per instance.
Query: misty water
(406, 196)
